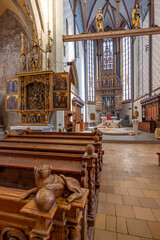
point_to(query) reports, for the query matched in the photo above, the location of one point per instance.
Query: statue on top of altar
(99, 20)
(136, 16)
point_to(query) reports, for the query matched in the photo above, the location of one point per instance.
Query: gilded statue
(136, 16)
(49, 187)
(136, 113)
(99, 20)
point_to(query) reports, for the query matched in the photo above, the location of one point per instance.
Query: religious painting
(59, 83)
(12, 86)
(60, 100)
(35, 96)
(61, 91)
(118, 102)
(98, 103)
(108, 103)
(11, 99)
(12, 102)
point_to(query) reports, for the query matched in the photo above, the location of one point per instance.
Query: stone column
(118, 39)
(57, 46)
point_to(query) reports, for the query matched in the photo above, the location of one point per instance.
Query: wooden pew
(36, 146)
(49, 140)
(158, 154)
(61, 161)
(60, 134)
(22, 220)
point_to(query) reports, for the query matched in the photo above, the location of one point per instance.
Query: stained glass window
(108, 54)
(91, 71)
(126, 67)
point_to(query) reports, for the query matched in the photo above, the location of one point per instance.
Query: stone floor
(129, 196)
(142, 137)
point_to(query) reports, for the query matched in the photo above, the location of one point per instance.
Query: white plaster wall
(156, 50)
(91, 109)
(145, 62)
(70, 52)
(126, 110)
(68, 14)
(135, 68)
(146, 58)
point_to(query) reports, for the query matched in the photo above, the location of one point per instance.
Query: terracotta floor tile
(146, 238)
(154, 187)
(139, 185)
(113, 183)
(126, 184)
(129, 192)
(124, 211)
(102, 197)
(158, 201)
(156, 213)
(142, 180)
(148, 202)
(121, 225)
(144, 213)
(106, 189)
(133, 174)
(110, 223)
(100, 221)
(151, 194)
(131, 200)
(127, 237)
(106, 208)
(155, 229)
(121, 190)
(114, 198)
(138, 228)
(104, 235)
(135, 192)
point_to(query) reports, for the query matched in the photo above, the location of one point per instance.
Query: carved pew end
(95, 138)
(6, 133)
(90, 149)
(25, 131)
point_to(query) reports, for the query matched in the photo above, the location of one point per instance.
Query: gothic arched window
(108, 54)
(91, 71)
(126, 67)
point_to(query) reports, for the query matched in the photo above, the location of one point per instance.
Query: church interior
(79, 120)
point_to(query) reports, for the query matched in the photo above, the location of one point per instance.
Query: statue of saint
(136, 113)
(99, 20)
(136, 16)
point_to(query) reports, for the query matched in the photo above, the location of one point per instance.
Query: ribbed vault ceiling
(109, 12)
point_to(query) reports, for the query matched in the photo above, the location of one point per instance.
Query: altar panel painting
(61, 93)
(11, 101)
(118, 102)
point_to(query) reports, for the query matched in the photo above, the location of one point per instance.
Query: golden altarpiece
(35, 94)
(109, 86)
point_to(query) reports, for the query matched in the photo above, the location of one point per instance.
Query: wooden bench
(60, 134)
(68, 145)
(158, 158)
(80, 166)
(21, 219)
